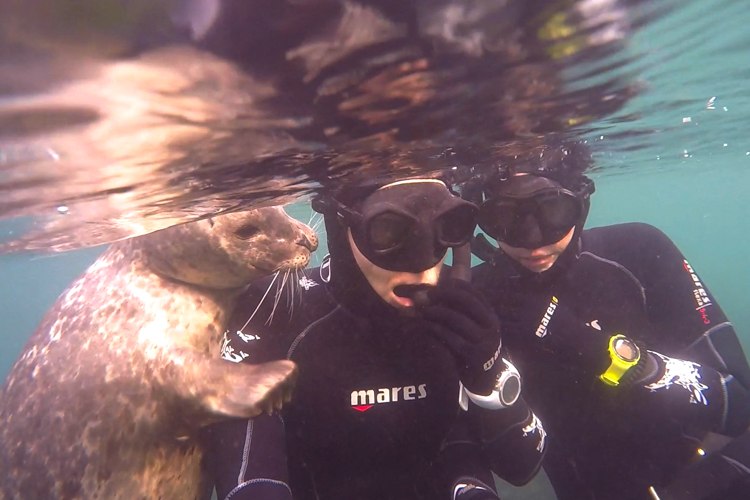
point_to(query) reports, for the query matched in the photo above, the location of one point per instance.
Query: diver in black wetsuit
(403, 390)
(626, 355)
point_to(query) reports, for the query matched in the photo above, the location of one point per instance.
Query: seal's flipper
(269, 386)
(248, 390)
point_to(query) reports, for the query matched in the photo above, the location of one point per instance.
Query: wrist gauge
(623, 355)
(506, 392)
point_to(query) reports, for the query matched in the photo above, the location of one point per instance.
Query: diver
(626, 355)
(404, 391)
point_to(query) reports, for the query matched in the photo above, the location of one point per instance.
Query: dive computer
(624, 354)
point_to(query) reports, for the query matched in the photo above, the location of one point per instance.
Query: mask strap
(328, 205)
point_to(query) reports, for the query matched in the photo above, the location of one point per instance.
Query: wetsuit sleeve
(512, 440)
(706, 376)
(722, 474)
(247, 458)
(461, 471)
(509, 442)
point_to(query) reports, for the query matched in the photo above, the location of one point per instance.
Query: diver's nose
(308, 241)
(530, 232)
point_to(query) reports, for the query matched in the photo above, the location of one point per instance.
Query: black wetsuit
(615, 442)
(375, 413)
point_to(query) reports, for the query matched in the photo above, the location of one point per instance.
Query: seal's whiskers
(279, 291)
(290, 291)
(296, 286)
(260, 303)
(293, 285)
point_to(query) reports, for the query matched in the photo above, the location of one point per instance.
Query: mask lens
(510, 220)
(388, 230)
(456, 226)
(498, 217)
(558, 212)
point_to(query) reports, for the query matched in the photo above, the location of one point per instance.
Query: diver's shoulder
(490, 275)
(624, 237)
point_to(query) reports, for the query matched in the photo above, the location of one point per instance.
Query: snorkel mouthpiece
(417, 293)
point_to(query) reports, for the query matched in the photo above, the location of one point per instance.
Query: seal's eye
(247, 231)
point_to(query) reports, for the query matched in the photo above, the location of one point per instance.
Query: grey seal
(108, 396)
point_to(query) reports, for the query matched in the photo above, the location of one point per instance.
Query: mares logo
(541, 330)
(325, 269)
(228, 352)
(365, 399)
(702, 300)
(491, 362)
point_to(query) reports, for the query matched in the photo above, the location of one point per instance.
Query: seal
(107, 399)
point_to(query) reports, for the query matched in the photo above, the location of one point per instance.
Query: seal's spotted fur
(110, 390)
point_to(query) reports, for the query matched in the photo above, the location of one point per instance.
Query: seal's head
(230, 250)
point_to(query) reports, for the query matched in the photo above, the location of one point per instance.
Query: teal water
(665, 159)
(700, 211)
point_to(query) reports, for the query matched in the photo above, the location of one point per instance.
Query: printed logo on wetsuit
(246, 337)
(535, 427)
(325, 269)
(541, 330)
(491, 362)
(463, 488)
(229, 353)
(307, 283)
(681, 373)
(364, 399)
(594, 323)
(702, 300)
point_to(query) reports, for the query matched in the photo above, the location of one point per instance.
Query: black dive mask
(409, 226)
(529, 211)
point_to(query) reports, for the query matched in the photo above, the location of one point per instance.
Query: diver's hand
(465, 323)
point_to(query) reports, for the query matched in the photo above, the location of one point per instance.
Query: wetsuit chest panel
(607, 293)
(599, 293)
(367, 398)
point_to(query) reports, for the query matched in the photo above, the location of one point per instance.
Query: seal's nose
(308, 241)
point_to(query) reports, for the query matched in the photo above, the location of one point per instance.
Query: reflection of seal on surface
(125, 367)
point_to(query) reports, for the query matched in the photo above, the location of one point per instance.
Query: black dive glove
(464, 322)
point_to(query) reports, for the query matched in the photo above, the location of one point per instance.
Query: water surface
(661, 100)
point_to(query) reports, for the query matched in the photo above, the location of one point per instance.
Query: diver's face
(540, 259)
(384, 281)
